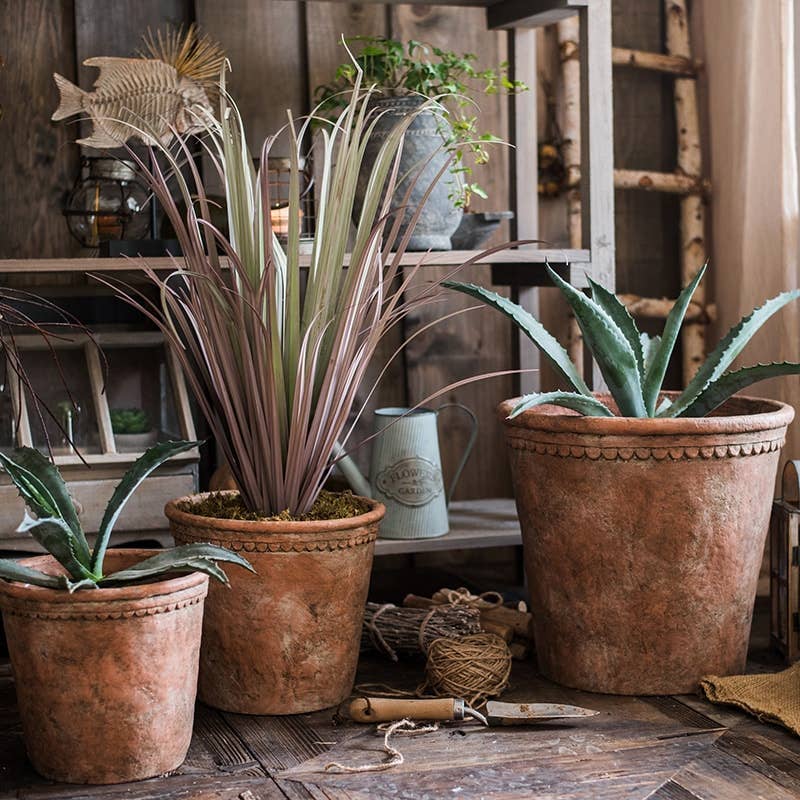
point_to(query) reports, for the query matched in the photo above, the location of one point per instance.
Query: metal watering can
(406, 471)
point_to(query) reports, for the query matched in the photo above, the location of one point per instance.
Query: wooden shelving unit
(493, 522)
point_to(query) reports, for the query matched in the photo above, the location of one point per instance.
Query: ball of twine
(473, 667)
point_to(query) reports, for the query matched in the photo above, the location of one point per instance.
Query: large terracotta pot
(286, 639)
(106, 678)
(643, 540)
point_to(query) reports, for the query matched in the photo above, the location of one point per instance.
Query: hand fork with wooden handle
(381, 709)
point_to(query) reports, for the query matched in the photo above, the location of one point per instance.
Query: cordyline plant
(632, 363)
(58, 529)
(274, 360)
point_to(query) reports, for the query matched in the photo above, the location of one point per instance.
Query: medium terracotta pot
(286, 639)
(106, 678)
(643, 540)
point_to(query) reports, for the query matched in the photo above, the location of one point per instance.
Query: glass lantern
(108, 202)
(279, 177)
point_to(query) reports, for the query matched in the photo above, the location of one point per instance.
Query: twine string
(403, 727)
(378, 642)
(473, 667)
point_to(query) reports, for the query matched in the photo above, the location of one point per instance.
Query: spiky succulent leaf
(616, 310)
(726, 351)
(43, 490)
(663, 405)
(142, 467)
(650, 345)
(716, 393)
(59, 540)
(532, 328)
(588, 406)
(186, 558)
(611, 350)
(12, 570)
(658, 366)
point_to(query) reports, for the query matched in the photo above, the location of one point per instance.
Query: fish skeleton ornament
(141, 97)
(173, 83)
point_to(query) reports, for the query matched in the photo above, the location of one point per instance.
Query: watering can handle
(790, 484)
(473, 436)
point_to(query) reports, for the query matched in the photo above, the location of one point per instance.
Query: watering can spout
(358, 483)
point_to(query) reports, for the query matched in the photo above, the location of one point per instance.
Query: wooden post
(597, 146)
(693, 250)
(526, 157)
(568, 34)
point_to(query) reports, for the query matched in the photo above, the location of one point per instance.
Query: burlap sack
(772, 697)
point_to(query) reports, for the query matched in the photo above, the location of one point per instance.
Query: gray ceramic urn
(439, 218)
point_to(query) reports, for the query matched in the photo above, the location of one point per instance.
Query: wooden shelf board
(473, 524)
(517, 257)
(504, 13)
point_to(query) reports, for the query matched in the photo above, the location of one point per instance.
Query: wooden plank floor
(664, 748)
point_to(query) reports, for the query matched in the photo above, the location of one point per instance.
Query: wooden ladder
(687, 180)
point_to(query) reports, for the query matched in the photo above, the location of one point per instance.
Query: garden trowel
(381, 709)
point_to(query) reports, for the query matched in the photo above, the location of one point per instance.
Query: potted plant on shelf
(274, 359)
(133, 432)
(443, 135)
(104, 644)
(643, 512)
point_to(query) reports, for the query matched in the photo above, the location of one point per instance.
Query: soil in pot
(286, 639)
(105, 678)
(424, 156)
(643, 540)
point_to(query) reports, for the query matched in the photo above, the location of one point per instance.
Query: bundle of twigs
(392, 631)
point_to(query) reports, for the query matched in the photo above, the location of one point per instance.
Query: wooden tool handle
(381, 709)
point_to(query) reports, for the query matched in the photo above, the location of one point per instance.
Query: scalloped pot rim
(738, 415)
(270, 527)
(102, 595)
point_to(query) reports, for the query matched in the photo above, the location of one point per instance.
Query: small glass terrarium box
(110, 397)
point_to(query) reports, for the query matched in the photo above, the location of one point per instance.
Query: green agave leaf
(726, 351)
(186, 558)
(142, 467)
(716, 393)
(14, 571)
(610, 348)
(532, 328)
(672, 327)
(59, 540)
(588, 406)
(650, 345)
(663, 406)
(43, 489)
(616, 310)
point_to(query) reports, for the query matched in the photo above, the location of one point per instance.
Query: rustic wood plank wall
(38, 163)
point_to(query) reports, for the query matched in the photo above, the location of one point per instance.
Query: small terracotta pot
(286, 639)
(643, 540)
(106, 678)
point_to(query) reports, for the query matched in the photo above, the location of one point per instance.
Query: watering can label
(411, 481)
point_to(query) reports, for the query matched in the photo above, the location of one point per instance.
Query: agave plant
(632, 363)
(275, 358)
(57, 528)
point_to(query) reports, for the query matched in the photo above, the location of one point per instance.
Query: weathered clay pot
(643, 540)
(286, 639)
(106, 678)
(423, 155)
